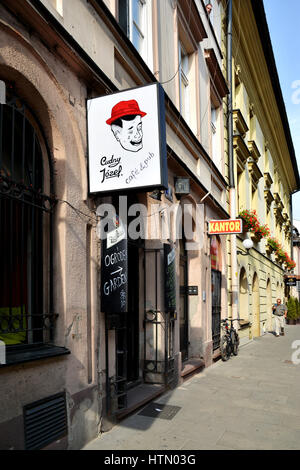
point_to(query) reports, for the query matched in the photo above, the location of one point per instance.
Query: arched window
(269, 306)
(255, 307)
(184, 304)
(243, 297)
(26, 314)
(216, 288)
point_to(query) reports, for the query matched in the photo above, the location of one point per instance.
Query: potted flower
(292, 311)
(280, 255)
(272, 244)
(260, 231)
(250, 222)
(290, 264)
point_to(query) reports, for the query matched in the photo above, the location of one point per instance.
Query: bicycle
(230, 340)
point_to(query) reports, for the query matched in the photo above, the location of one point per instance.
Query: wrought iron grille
(159, 326)
(26, 313)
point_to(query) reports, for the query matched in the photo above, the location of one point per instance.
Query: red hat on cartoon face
(125, 108)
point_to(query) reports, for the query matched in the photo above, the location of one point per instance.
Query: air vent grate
(45, 421)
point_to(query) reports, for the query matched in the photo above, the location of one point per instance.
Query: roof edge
(263, 30)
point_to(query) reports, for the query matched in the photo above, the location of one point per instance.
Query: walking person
(280, 313)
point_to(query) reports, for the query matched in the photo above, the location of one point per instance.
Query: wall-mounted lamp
(247, 244)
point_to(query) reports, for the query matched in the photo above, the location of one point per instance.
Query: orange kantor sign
(219, 227)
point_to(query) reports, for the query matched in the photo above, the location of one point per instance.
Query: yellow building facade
(265, 169)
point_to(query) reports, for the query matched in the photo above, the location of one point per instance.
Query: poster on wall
(114, 271)
(127, 140)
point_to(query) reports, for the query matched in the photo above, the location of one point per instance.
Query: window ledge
(244, 324)
(20, 355)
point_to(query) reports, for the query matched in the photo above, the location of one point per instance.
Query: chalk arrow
(117, 272)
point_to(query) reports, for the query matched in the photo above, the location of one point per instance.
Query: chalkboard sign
(170, 278)
(114, 272)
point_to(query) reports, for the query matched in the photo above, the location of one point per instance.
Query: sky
(284, 23)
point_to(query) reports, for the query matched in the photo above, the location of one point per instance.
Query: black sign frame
(163, 184)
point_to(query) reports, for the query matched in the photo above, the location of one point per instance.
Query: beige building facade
(71, 370)
(69, 364)
(265, 169)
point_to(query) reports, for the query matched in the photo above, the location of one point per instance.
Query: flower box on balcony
(256, 237)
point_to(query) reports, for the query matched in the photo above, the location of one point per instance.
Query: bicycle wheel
(225, 348)
(235, 344)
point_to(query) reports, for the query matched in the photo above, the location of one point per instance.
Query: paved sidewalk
(250, 402)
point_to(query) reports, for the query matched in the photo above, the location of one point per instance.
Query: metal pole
(232, 190)
(229, 110)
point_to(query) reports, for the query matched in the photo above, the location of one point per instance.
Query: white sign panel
(127, 140)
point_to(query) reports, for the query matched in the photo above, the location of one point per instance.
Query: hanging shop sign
(127, 140)
(170, 278)
(114, 271)
(225, 227)
(290, 281)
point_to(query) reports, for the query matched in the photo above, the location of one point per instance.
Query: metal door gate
(158, 324)
(158, 348)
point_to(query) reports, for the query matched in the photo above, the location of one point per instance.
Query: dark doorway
(127, 337)
(133, 314)
(183, 311)
(216, 307)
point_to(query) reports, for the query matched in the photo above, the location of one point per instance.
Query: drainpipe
(291, 217)
(292, 225)
(232, 190)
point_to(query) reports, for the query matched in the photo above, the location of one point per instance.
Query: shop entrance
(255, 307)
(127, 335)
(132, 326)
(216, 307)
(216, 285)
(183, 312)
(126, 327)
(122, 329)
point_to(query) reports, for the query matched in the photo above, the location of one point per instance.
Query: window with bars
(26, 310)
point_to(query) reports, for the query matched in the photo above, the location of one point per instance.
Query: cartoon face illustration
(126, 125)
